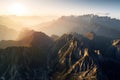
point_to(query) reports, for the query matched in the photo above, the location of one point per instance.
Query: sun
(17, 9)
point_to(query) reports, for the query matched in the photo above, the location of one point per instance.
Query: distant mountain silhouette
(11, 22)
(7, 33)
(28, 38)
(103, 26)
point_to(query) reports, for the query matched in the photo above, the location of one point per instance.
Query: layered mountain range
(36, 56)
(89, 49)
(101, 25)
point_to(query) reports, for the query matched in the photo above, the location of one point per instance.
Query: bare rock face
(76, 57)
(117, 45)
(75, 60)
(22, 63)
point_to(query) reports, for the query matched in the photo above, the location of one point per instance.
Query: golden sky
(60, 7)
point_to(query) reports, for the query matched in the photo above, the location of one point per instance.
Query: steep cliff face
(77, 57)
(116, 45)
(22, 63)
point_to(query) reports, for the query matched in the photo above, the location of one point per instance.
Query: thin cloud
(104, 14)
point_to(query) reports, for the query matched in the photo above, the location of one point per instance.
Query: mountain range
(87, 54)
(69, 57)
(101, 25)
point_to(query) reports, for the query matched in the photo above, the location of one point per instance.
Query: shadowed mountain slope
(28, 38)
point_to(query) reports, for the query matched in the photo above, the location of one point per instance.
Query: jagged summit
(100, 25)
(82, 58)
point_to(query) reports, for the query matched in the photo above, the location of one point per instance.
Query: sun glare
(17, 9)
